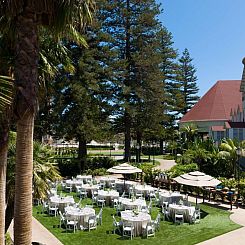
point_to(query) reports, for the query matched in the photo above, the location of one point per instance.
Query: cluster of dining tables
(132, 209)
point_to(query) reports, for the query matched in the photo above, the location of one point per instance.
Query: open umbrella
(197, 179)
(124, 169)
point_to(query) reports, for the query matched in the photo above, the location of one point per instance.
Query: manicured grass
(214, 222)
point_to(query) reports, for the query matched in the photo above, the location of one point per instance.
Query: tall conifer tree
(134, 28)
(186, 79)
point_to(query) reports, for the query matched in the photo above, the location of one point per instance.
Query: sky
(214, 33)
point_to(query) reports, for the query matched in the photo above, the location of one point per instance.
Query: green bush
(68, 166)
(148, 172)
(97, 172)
(100, 162)
(182, 169)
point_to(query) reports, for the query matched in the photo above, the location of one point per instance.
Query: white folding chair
(128, 230)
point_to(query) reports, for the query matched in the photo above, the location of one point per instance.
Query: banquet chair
(52, 209)
(71, 224)
(62, 219)
(179, 217)
(195, 217)
(99, 217)
(128, 230)
(83, 193)
(165, 212)
(116, 225)
(100, 201)
(68, 187)
(157, 222)
(44, 206)
(92, 223)
(149, 229)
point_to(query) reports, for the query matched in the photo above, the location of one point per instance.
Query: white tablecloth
(144, 189)
(61, 202)
(120, 185)
(82, 215)
(107, 180)
(173, 197)
(187, 211)
(84, 178)
(108, 195)
(132, 203)
(89, 188)
(138, 220)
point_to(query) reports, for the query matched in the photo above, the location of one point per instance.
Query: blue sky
(214, 33)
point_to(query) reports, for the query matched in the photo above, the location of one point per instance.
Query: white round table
(173, 197)
(138, 220)
(108, 195)
(132, 203)
(81, 215)
(84, 178)
(144, 189)
(89, 188)
(187, 211)
(62, 202)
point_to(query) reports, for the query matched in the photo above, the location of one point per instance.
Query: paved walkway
(39, 234)
(165, 164)
(236, 237)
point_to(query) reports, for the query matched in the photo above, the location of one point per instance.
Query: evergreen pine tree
(134, 28)
(186, 80)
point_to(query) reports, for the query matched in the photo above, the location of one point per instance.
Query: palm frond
(6, 92)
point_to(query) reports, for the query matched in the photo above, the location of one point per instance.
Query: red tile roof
(217, 128)
(217, 103)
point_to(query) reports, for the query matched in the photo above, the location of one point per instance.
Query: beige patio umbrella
(197, 179)
(124, 169)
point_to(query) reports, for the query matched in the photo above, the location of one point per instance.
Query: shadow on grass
(217, 205)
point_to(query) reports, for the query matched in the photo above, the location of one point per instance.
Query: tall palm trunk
(26, 75)
(5, 117)
(3, 165)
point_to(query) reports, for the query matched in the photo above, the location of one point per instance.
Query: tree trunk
(138, 150)
(127, 124)
(23, 181)
(9, 215)
(3, 165)
(161, 146)
(82, 153)
(26, 76)
(127, 118)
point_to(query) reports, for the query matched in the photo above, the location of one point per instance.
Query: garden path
(165, 164)
(40, 234)
(236, 237)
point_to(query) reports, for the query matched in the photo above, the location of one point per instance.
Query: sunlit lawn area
(214, 222)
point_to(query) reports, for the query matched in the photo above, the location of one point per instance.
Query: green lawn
(214, 222)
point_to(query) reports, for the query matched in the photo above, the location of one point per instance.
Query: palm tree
(5, 111)
(228, 150)
(44, 171)
(25, 17)
(190, 132)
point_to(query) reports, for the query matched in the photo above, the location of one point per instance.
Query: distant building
(220, 113)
